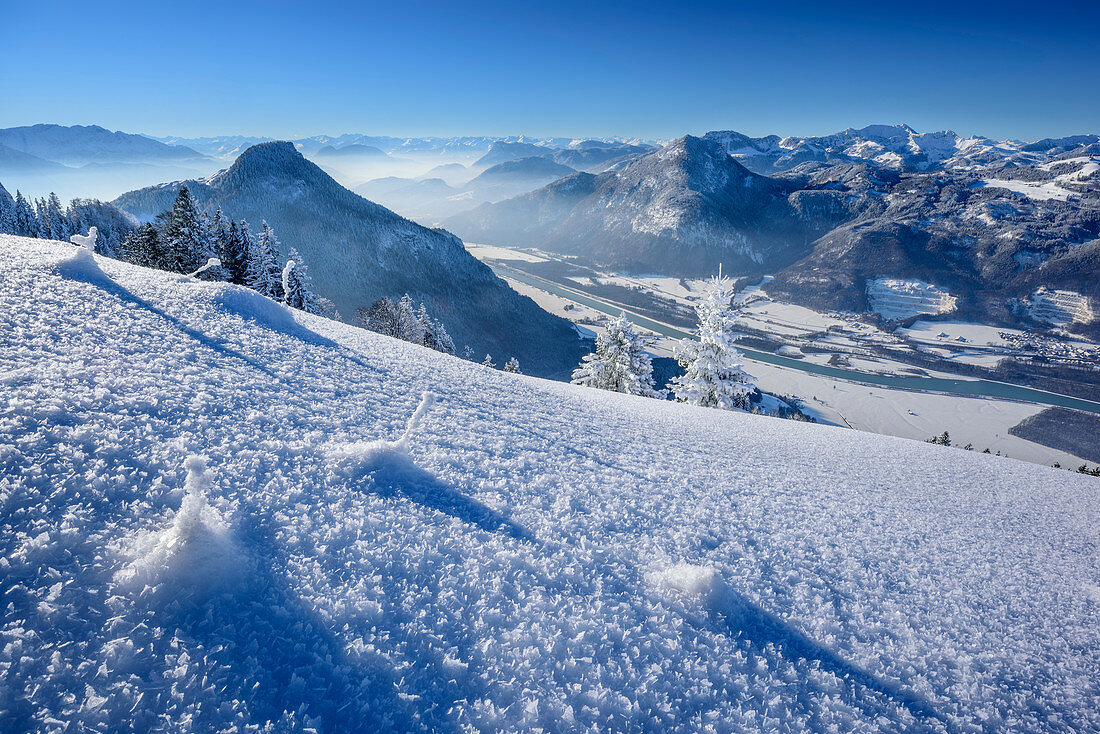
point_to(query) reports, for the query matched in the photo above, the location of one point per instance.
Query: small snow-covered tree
(264, 274)
(713, 374)
(409, 327)
(434, 334)
(512, 365)
(57, 224)
(488, 361)
(400, 320)
(380, 317)
(297, 292)
(620, 362)
(208, 244)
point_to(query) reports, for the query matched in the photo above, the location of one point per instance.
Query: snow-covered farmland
(1038, 190)
(523, 555)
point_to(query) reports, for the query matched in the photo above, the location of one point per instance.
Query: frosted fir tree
(235, 244)
(208, 245)
(264, 274)
(142, 247)
(512, 365)
(713, 374)
(620, 362)
(297, 290)
(7, 212)
(435, 335)
(488, 361)
(26, 223)
(57, 224)
(406, 323)
(185, 241)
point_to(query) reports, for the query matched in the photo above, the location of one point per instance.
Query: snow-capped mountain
(502, 152)
(989, 222)
(82, 144)
(223, 515)
(991, 236)
(358, 252)
(351, 152)
(683, 209)
(895, 146)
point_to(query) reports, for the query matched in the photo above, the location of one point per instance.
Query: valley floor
(982, 422)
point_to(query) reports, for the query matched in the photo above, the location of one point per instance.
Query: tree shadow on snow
(392, 473)
(81, 271)
(240, 301)
(747, 620)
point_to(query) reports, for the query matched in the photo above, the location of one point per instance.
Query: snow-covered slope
(532, 555)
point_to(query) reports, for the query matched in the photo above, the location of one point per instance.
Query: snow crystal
(194, 554)
(522, 555)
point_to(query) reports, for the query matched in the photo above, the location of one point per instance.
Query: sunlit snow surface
(531, 554)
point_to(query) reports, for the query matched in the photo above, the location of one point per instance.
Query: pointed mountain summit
(358, 251)
(680, 209)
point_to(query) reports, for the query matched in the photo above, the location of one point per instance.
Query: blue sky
(567, 68)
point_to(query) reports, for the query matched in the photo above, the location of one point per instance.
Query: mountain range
(80, 145)
(359, 251)
(992, 223)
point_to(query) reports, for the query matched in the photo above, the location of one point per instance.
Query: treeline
(185, 239)
(47, 219)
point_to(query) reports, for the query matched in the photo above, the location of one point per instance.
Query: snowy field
(1038, 190)
(521, 556)
(502, 253)
(983, 422)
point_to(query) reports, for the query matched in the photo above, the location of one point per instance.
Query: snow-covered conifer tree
(620, 362)
(297, 292)
(434, 334)
(380, 317)
(26, 224)
(208, 245)
(142, 247)
(713, 376)
(264, 273)
(185, 245)
(512, 365)
(57, 225)
(408, 327)
(488, 361)
(7, 212)
(234, 252)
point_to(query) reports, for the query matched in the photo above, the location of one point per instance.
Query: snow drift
(547, 557)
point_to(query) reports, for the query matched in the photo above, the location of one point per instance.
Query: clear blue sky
(566, 68)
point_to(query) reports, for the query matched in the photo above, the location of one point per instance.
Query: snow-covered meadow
(218, 514)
